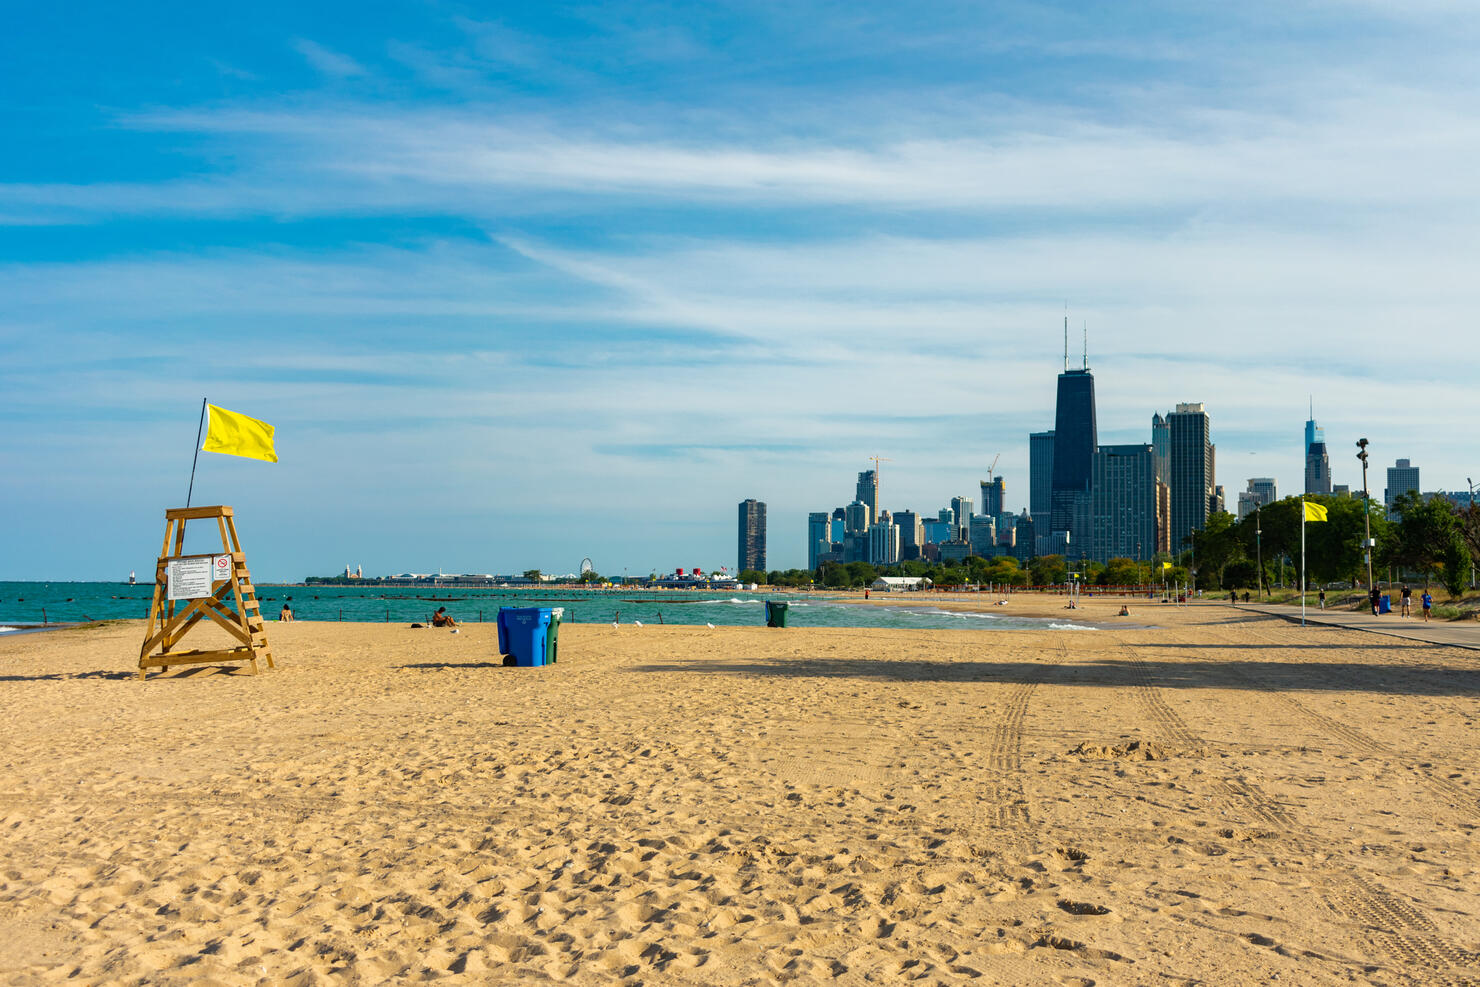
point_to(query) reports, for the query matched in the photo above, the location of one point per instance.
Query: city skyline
(521, 285)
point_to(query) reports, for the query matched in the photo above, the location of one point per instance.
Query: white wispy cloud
(331, 63)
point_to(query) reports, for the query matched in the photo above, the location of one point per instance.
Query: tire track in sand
(1009, 805)
(1457, 797)
(1239, 794)
(1405, 934)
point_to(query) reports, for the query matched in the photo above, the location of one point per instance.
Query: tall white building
(883, 542)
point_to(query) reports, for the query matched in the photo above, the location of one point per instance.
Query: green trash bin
(556, 613)
(776, 613)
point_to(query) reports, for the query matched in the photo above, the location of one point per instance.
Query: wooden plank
(198, 657)
(197, 513)
(175, 622)
(231, 627)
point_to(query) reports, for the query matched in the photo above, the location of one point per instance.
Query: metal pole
(1366, 516)
(199, 426)
(1302, 563)
(1259, 550)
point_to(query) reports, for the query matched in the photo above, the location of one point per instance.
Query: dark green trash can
(556, 613)
(776, 613)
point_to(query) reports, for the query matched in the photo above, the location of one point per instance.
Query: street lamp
(1259, 549)
(1366, 515)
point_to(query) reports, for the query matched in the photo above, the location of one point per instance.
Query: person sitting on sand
(287, 615)
(1125, 611)
(442, 618)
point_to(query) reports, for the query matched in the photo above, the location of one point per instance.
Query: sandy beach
(1218, 798)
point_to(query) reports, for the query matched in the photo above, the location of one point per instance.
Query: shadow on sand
(1270, 676)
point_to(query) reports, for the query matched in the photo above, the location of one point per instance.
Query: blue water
(22, 604)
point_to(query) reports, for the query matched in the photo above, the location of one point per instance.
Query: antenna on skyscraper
(1086, 344)
(1066, 335)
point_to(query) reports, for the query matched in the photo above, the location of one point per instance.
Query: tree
(590, 577)
(1456, 560)
(751, 576)
(1048, 570)
(1121, 572)
(1218, 544)
(1426, 532)
(533, 575)
(1469, 529)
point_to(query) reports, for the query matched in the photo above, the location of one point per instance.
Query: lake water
(22, 604)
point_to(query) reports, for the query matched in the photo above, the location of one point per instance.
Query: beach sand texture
(1218, 799)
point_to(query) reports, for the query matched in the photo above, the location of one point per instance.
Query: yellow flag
(238, 435)
(1313, 511)
(1166, 565)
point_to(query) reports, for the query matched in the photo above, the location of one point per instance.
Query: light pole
(1366, 516)
(1259, 549)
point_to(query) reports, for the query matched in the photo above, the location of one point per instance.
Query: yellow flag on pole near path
(237, 435)
(1166, 565)
(1313, 511)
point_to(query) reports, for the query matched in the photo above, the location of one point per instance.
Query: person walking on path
(1376, 600)
(1323, 599)
(1428, 604)
(1407, 600)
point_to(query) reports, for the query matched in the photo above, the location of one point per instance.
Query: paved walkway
(1453, 633)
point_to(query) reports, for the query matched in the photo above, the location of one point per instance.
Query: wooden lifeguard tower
(203, 587)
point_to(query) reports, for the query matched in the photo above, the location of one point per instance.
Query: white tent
(899, 584)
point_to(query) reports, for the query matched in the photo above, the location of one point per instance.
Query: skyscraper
(1161, 447)
(1074, 441)
(1317, 461)
(883, 541)
(752, 547)
(1261, 492)
(819, 536)
(994, 493)
(1040, 474)
(982, 534)
(961, 507)
(1124, 502)
(868, 493)
(1191, 471)
(911, 534)
(1401, 478)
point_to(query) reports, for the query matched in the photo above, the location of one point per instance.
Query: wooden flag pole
(198, 429)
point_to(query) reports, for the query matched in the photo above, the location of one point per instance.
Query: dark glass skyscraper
(1074, 441)
(1125, 495)
(1192, 472)
(868, 493)
(994, 495)
(1040, 474)
(752, 545)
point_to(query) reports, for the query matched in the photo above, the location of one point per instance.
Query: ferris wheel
(586, 566)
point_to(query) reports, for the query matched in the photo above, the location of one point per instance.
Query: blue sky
(519, 284)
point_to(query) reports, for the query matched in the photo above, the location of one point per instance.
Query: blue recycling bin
(1385, 604)
(522, 634)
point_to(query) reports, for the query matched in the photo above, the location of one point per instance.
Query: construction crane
(991, 470)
